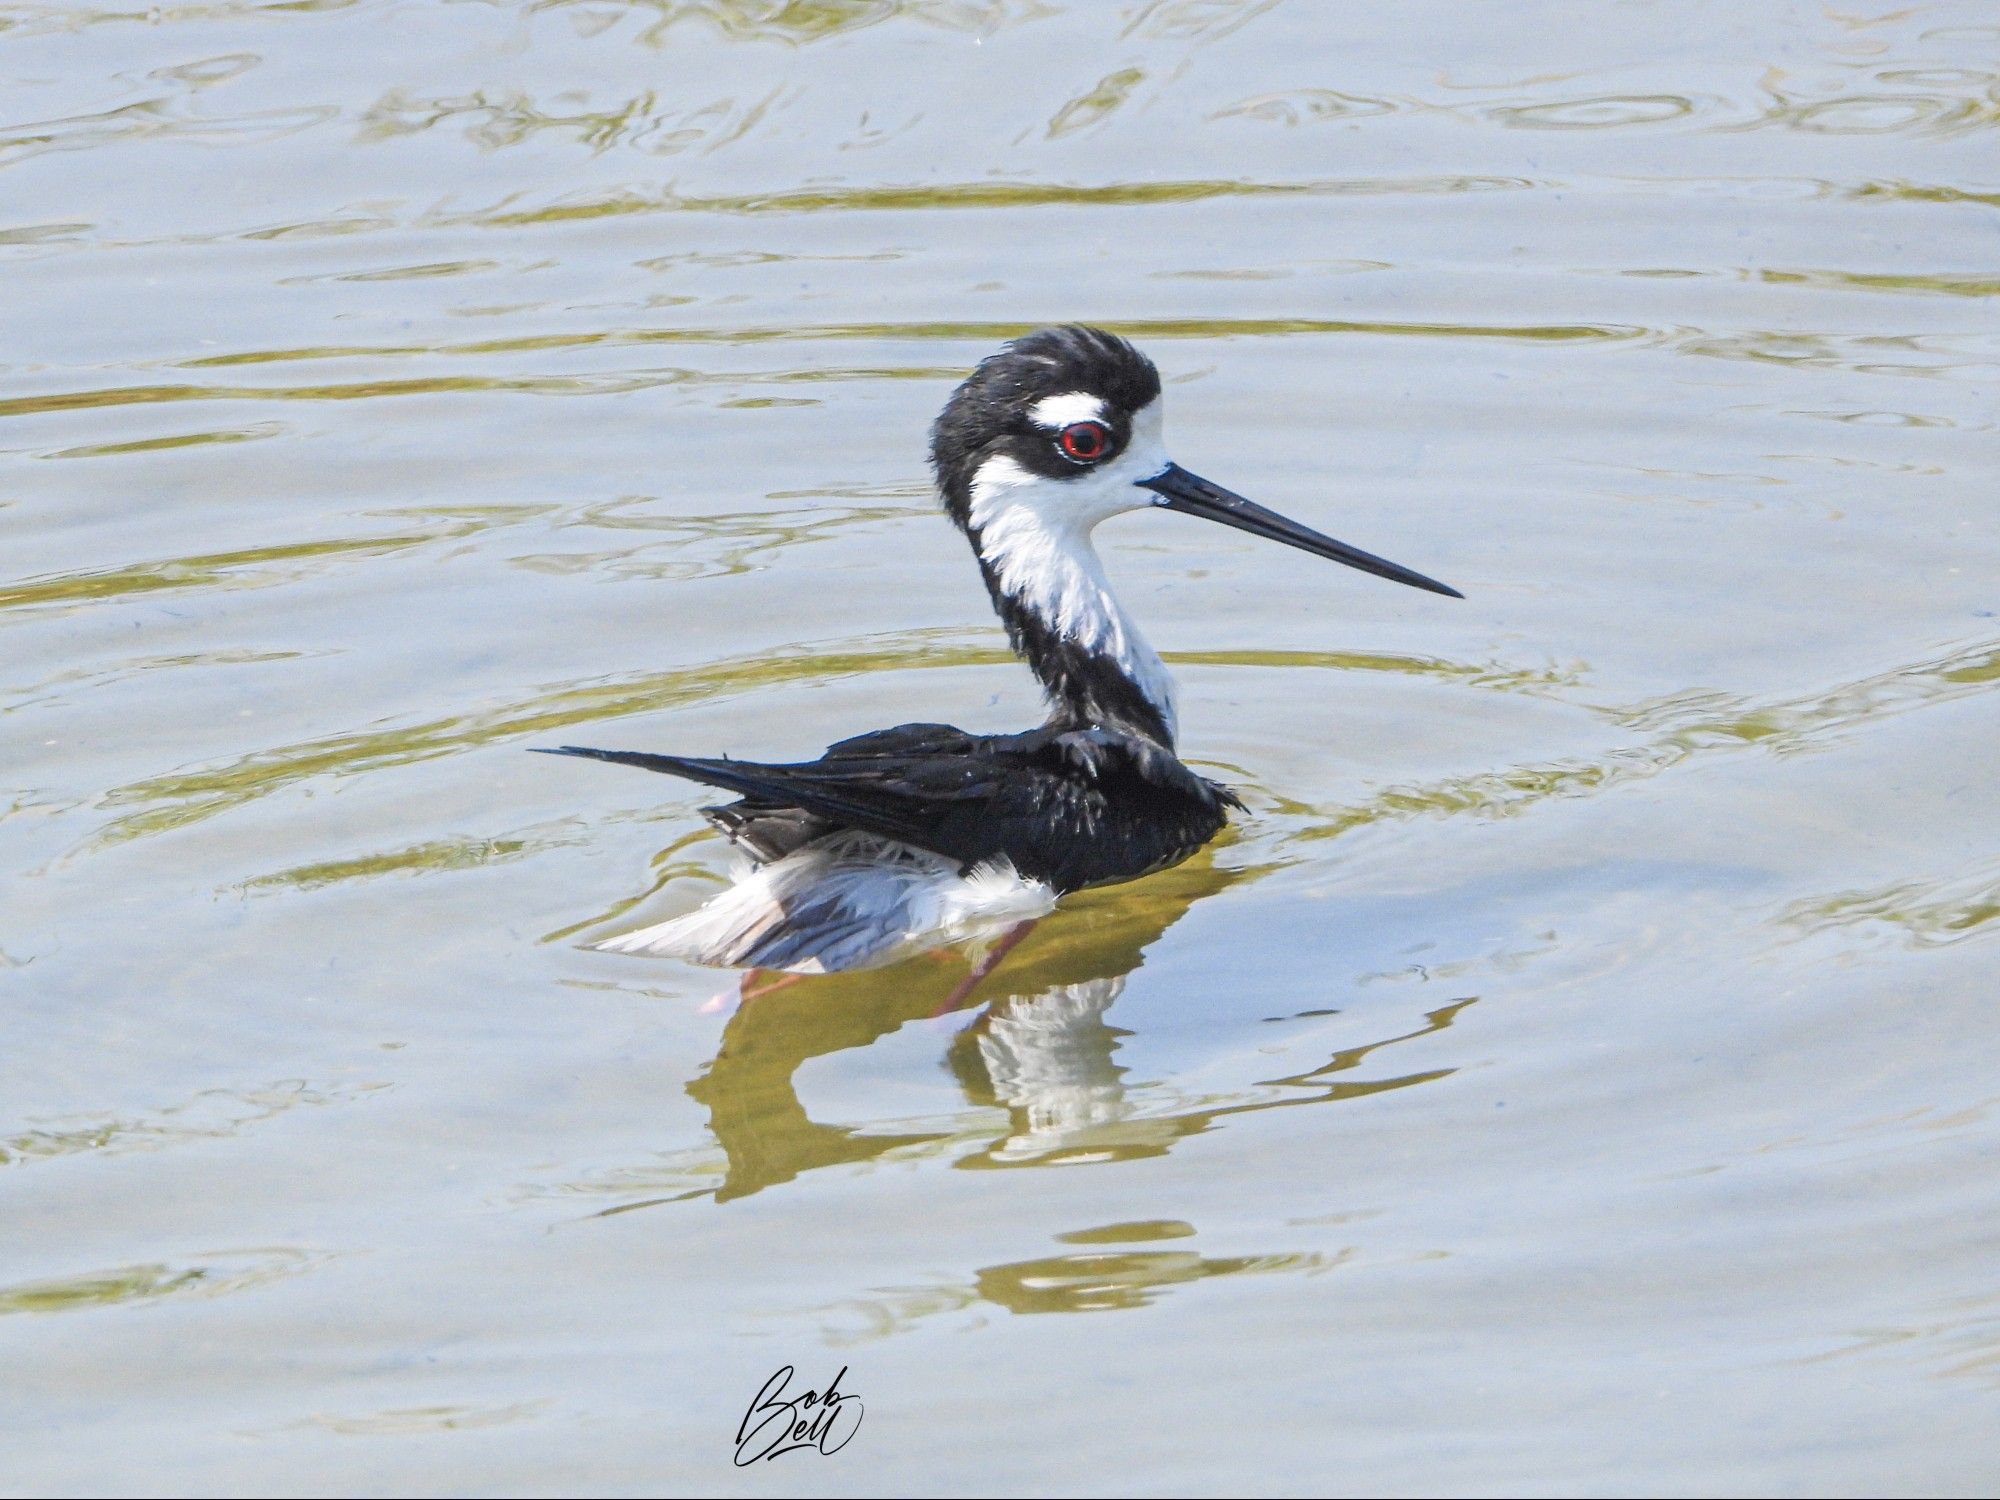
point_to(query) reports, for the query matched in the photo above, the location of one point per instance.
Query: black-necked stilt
(912, 837)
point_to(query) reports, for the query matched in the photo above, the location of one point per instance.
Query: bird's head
(1061, 429)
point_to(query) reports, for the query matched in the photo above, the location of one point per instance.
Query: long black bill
(1192, 495)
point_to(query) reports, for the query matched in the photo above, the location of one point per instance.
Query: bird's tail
(842, 803)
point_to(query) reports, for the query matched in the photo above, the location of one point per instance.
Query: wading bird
(913, 837)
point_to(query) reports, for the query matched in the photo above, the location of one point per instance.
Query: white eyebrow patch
(1072, 406)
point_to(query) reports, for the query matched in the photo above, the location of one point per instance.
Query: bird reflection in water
(1042, 1049)
(1047, 1059)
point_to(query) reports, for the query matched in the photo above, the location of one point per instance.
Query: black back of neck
(1086, 689)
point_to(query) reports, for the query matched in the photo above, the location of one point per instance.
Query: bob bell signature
(777, 1423)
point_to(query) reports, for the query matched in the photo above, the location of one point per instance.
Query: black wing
(1072, 807)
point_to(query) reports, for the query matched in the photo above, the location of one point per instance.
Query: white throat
(1034, 533)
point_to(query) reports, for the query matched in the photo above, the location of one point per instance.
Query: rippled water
(1576, 1074)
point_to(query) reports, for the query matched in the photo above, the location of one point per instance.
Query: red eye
(1086, 442)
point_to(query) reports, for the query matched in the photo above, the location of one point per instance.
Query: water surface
(1574, 1075)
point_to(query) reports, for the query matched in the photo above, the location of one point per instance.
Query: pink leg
(747, 992)
(984, 967)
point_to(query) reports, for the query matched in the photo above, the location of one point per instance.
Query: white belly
(849, 901)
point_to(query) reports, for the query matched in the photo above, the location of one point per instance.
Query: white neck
(1035, 538)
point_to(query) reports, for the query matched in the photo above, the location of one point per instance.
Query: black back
(1073, 808)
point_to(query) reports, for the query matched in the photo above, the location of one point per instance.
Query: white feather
(1050, 1058)
(848, 901)
(1055, 412)
(1035, 533)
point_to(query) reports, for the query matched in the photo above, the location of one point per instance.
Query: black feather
(1071, 807)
